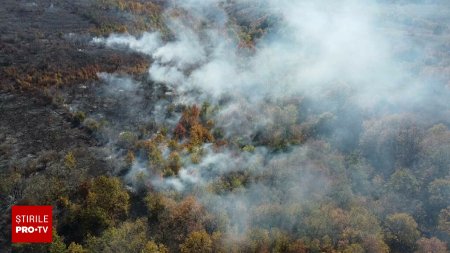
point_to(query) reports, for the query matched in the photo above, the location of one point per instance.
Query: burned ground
(45, 50)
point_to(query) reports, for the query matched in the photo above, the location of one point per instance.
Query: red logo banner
(31, 224)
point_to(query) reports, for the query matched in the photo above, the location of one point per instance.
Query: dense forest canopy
(229, 126)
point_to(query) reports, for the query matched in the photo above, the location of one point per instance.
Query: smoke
(148, 43)
(315, 46)
(349, 59)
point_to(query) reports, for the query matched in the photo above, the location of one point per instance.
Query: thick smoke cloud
(317, 50)
(315, 46)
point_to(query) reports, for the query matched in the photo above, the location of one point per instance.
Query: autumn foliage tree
(173, 220)
(431, 245)
(190, 126)
(197, 242)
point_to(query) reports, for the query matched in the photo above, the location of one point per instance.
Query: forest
(156, 126)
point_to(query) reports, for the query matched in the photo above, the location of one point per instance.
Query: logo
(31, 224)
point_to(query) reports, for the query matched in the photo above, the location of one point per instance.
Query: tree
(70, 161)
(401, 232)
(75, 248)
(152, 247)
(326, 220)
(197, 242)
(431, 245)
(404, 182)
(280, 241)
(366, 231)
(105, 202)
(174, 163)
(435, 149)
(391, 141)
(298, 246)
(130, 236)
(375, 244)
(444, 220)
(439, 191)
(353, 248)
(173, 221)
(108, 196)
(57, 245)
(258, 240)
(156, 204)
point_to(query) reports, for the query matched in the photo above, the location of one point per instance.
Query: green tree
(57, 245)
(439, 192)
(404, 182)
(444, 220)
(152, 247)
(105, 202)
(435, 149)
(258, 240)
(108, 197)
(280, 242)
(70, 161)
(130, 236)
(76, 248)
(401, 232)
(353, 248)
